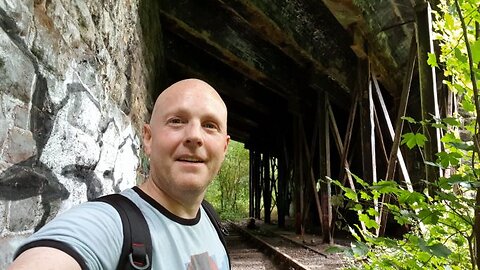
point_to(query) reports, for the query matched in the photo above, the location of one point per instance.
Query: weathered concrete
(72, 101)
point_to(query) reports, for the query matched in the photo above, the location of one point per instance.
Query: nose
(193, 135)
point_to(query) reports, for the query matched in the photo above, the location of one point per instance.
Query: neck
(184, 207)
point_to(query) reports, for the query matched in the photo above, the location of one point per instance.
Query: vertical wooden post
(267, 184)
(301, 180)
(297, 175)
(283, 171)
(394, 153)
(251, 186)
(258, 184)
(365, 121)
(309, 156)
(371, 111)
(323, 147)
(328, 170)
(340, 148)
(348, 135)
(428, 88)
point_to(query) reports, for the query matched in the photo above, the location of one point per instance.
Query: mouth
(190, 159)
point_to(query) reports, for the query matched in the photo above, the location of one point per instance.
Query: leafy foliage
(229, 190)
(446, 219)
(443, 224)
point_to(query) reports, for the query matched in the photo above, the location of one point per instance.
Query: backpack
(137, 244)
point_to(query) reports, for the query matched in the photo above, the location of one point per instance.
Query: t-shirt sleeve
(91, 233)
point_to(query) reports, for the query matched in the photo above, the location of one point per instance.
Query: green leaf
(433, 164)
(447, 183)
(372, 212)
(369, 223)
(432, 60)
(468, 105)
(439, 250)
(409, 119)
(475, 48)
(409, 140)
(424, 256)
(414, 139)
(449, 138)
(358, 179)
(388, 242)
(447, 159)
(410, 197)
(449, 22)
(452, 121)
(429, 217)
(439, 125)
(349, 193)
(364, 195)
(448, 197)
(460, 56)
(357, 207)
(359, 249)
(420, 139)
(401, 219)
(385, 187)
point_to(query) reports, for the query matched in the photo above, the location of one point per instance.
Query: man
(186, 142)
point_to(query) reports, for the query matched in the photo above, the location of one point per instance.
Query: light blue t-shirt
(92, 234)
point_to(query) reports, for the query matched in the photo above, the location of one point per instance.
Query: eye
(175, 121)
(210, 125)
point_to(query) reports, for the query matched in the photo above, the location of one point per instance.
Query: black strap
(221, 231)
(137, 244)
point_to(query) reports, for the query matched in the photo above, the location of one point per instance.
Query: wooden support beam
(274, 181)
(325, 188)
(283, 183)
(309, 152)
(371, 111)
(388, 51)
(278, 21)
(230, 40)
(365, 125)
(340, 149)
(327, 206)
(255, 188)
(298, 175)
(394, 153)
(251, 186)
(282, 207)
(428, 89)
(396, 139)
(348, 137)
(258, 189)
(267, 192)
(227, 81)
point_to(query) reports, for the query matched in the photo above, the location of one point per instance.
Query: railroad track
(262, 249)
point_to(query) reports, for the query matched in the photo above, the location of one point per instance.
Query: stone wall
(72, 102)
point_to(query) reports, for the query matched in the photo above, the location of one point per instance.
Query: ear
(147, 139)
(227, 141)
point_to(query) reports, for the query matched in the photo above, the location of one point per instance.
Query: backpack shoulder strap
(221, 230)
(137, 242)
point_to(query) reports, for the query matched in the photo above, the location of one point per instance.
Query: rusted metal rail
(282, 260)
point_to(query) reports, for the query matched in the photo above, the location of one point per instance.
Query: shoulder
(90, 232)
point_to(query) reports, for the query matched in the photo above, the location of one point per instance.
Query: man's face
(186, 139)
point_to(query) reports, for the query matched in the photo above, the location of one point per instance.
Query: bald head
(186, 142)
(197, 92)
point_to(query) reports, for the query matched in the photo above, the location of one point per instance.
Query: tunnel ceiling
(270, 59)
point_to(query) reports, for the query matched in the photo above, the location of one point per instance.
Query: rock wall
(72, 102)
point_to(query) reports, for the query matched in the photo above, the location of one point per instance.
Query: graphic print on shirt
(202, 262)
